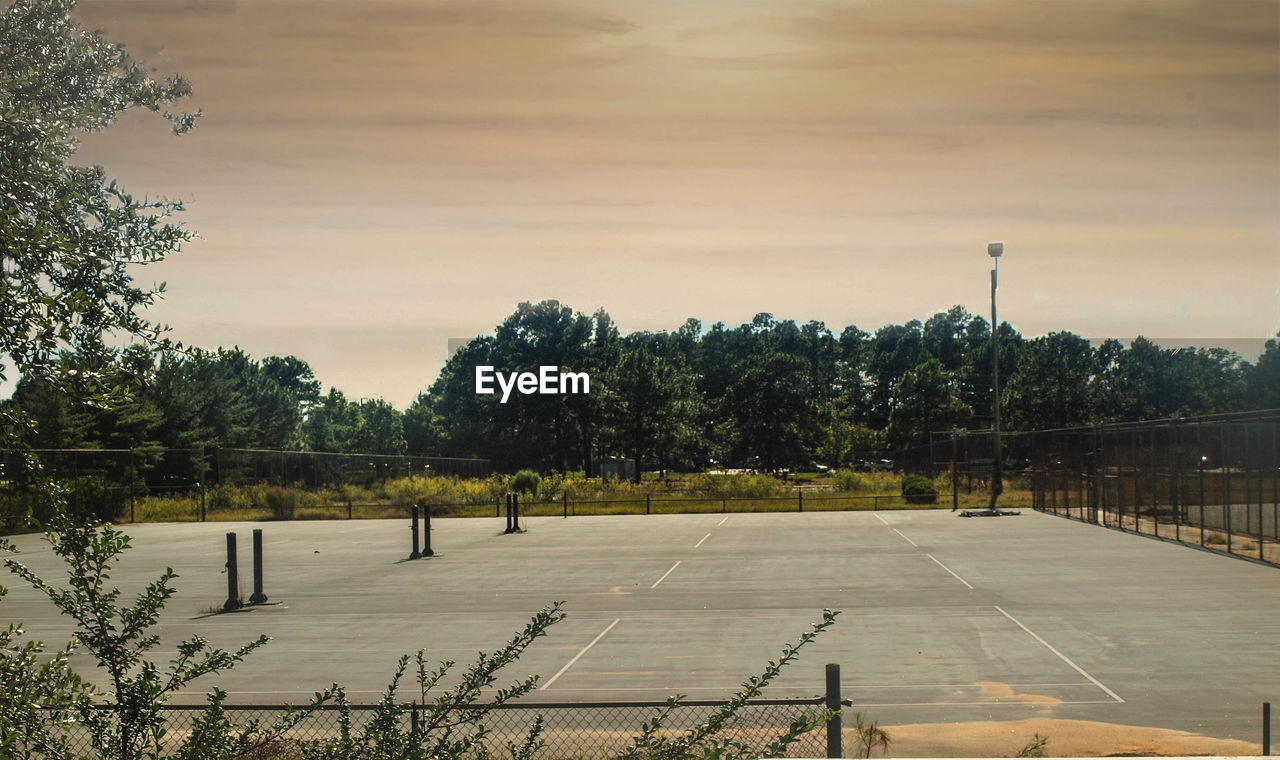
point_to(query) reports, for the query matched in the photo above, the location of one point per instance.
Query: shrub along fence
(564, 506)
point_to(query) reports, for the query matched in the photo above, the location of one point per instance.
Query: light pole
(994, 250)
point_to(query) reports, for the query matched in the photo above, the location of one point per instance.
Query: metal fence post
(1266, 728)
(1226, 471)
(835, 738)
(648, 510)
(566, 503)
(233, 576)
(258, 597)
(800, 504)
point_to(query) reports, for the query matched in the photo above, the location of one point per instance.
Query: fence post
(203, 513)
(875, 504)
(233, 576)
(835, 738)
(509, 528)
(647, 508)
(566, 503)
(1266, 729)
(258, 597)
(955, 476)
(515, 512)
(800, 504)
(413, 517)
(723, 506)
(348, 507)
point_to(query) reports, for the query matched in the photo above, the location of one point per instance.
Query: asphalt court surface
(942, 619)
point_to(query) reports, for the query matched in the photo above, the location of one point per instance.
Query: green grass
(482, 497)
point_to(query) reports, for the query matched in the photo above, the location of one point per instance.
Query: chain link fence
(571, 730)
(1212, 482)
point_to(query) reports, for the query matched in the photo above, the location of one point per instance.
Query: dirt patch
(995, 691)
(1067, 738)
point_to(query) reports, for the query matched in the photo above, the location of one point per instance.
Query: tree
(69, 238)
(927, 401)
(68, 235)
(1050, 387)
(652, 396)
(1262, 389)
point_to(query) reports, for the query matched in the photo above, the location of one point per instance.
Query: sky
(372, 178)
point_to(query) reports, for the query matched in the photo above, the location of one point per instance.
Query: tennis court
(943, 619)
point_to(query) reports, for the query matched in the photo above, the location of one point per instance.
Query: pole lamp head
(995, 249)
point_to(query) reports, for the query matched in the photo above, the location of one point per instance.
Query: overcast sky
(372, 178)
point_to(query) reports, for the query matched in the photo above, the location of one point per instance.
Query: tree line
(768, 394)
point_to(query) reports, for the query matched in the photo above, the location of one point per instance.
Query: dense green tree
(652, 400)
(1262, 379)
(380, 429)
(944, 337)
(927, 401)
(1050, 386)
(1145, 381)
(895, 349)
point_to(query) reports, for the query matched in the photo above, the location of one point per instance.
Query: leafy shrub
(848, 480)
(525, 481)
(919, 490)
(281, 501)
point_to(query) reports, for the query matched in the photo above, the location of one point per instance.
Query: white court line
(664, 575)
(704, 538)
(722, 522)
(1063, 657)
(579, 654)
(878, 517)
(904, 535)
(949, 570)
(1010, 703)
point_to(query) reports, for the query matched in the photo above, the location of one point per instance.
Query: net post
(647, 507)
(834, 728)
(426, 531)
(565, 495)
(258, 597)
(515, 512)
(800, 501)
(509, 528)
(413, 517)
(233, 576)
